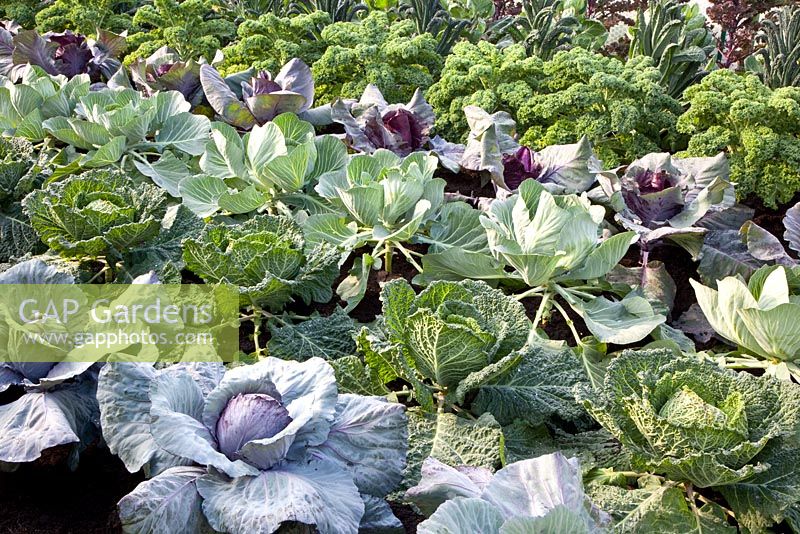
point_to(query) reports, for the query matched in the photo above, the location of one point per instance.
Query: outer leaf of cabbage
(165, 504)
(315, 493)
(765, 326)
(362, 440)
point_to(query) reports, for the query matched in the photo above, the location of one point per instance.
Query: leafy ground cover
(496, 266)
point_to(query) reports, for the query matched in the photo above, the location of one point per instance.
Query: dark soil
(41, 498)
(468, 184)
(556, 326)
(407, 516)
(681, 268)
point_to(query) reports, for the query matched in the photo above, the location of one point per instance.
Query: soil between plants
(42, 498)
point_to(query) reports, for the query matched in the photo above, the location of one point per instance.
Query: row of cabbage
(117, 185)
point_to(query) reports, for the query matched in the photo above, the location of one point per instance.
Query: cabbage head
(96, 213)
(694, 422)
(250, 449)
(760, 317)
(266, 258)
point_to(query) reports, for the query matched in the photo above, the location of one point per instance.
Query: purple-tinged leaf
(296, 77)
(762, 245)
(266, 107)
(656, 207)
(223, 100)
(792, 223)
(693, 322)
(30, 47)
(724, 254)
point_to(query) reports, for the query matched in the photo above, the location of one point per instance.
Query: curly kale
(620, 107)
(485, 76)
(758, 127)
(192, 28)
(375, 51)
(85, 17)
(20, 11)
(269, 42)
(345, 57)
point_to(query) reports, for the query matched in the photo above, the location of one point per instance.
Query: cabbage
(262, 98)
(371, 123)
(543, 494)
(688, 419)
(760, 317)
(247, 450)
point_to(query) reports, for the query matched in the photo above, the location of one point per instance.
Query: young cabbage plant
(492, 149)
(694, 423)
(36, 97)
(543, 494)
(553, 244)
(664, 198)
(760, 318)
(271, 167)
(105, 215)
(382, 200)
(267, 258)
(461, 350)
(252, 449)
(262, 98)
(111, 124)
(371, 123)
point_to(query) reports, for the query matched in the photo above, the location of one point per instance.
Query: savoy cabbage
(694, 422)
(21, 171)
(267, 258)
(105, 214)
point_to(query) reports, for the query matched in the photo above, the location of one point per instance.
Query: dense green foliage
(344, 56)
(192, 28)
(620, 107)
(20, 173)
(266, 148)
(269, 42)
(691, 421)
(758, 127)
(83, 17)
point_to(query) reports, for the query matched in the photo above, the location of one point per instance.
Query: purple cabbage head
(68, 54)
(520, 166)
(663, 197)
(277, 428)
(262, 97)
(371, 123)
(165, 71)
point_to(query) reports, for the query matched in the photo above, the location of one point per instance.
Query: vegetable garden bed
(393, 267)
